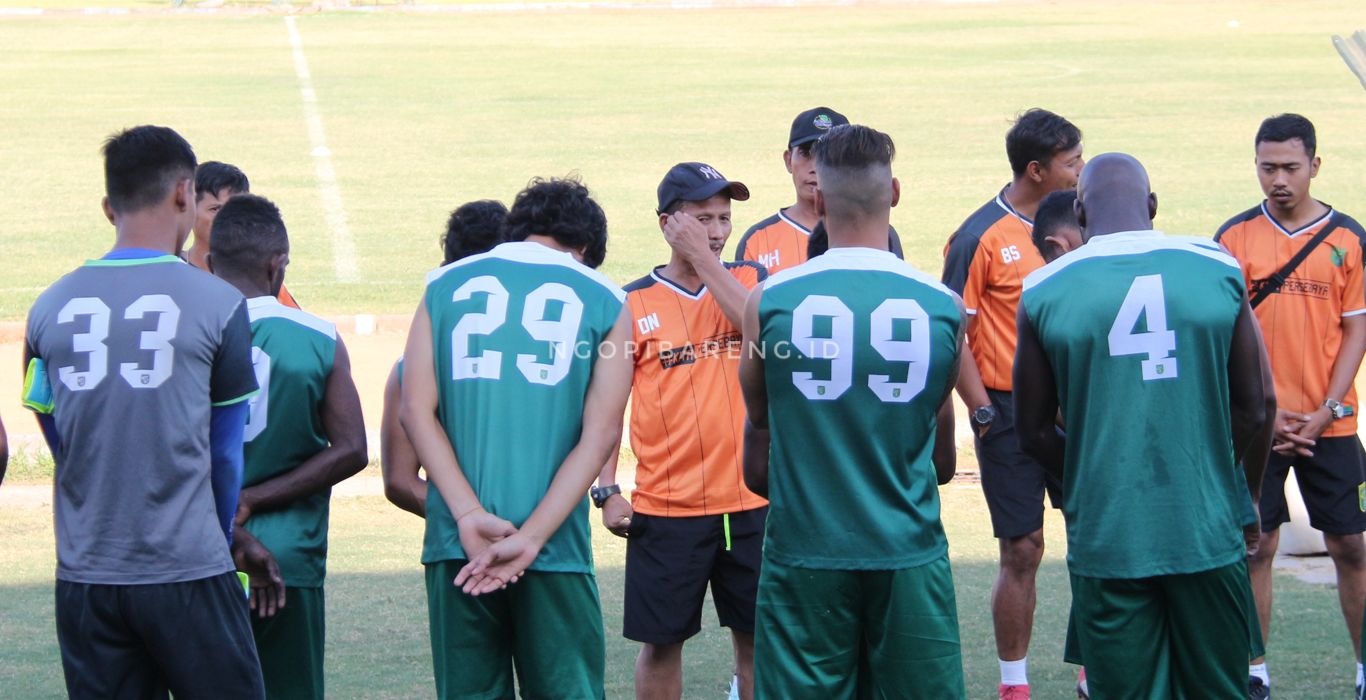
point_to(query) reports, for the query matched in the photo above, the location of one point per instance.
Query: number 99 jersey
(516, 332)
(858, 348)
(1137, 328)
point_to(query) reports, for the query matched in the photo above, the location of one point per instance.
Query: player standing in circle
(139, 367)
(304, 435)
(690, 521)
(1314, 323)
(473, 228)
(1160, 592)
(789, 238)
(986, 261)
(517, 371)
(856, 594)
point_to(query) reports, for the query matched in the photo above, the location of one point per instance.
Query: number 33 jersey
(858, 351)
(516, 333)
(1137, 328)
(137, 350)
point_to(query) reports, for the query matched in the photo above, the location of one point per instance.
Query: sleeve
(750, 274)
(233, 379)
(965, 272)
(742, 248)
(1353, 294)
(227, 424)
(894, 243)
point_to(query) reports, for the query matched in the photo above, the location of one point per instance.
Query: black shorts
(1013, 482)
(191, 638)
(1330, 482)
(670, 561)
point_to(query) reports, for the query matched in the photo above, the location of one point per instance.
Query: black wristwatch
(983, 416)
(600, 495)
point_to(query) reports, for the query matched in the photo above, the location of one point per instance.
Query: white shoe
(734, 688)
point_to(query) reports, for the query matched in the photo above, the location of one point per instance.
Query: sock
(1014, 672)
(1359, 675)
(1259, 671)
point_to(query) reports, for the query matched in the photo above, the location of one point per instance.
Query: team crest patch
(822, 122)
(1339, 255)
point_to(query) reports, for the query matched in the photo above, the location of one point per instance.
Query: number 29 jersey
(516, 332)
(858, 348)
(1137, 328)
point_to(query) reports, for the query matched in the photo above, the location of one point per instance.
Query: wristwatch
(600, 495)
(982, 416)
(1339, 409)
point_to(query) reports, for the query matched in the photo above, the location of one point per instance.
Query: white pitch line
(343, 247)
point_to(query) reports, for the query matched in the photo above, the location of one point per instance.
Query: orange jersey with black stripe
(986, 261)
(779, 242)
(687, 414)
(1302, 323)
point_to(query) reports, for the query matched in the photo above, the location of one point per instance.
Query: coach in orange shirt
(1314, 324)
(691, 520)
(986, 261)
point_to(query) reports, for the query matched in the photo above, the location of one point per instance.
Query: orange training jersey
(1302, 324)
(687, 414)
(284, 297)
(779, 242)
(986, 261)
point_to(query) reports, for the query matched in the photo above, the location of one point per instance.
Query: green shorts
(548, 626)
(822, 633)
(1072, 648)
(291, 645)
(1190, 635)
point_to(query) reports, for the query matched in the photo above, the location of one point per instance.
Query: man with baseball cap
(788, 238)
(691, 520)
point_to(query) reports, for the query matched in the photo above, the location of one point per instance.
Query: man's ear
(663, 219)
(108, 210)
(896, 191)
(1035, 171)
(1314, 167)
(208, 262)
(820, 202)
(1080, 211)
(1152, 205)
(787, 159)
(184, 195)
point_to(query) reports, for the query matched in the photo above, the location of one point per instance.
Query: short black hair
(143, 164)
(1285, 127)
(212, 177)
(247, 233)
(1056, 211)
(474, 227)
(853, 146)
(563, 209)
(1038, 135)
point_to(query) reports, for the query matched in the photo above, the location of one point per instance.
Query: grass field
(424, 111)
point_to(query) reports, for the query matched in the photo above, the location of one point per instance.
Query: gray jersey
(136, 352)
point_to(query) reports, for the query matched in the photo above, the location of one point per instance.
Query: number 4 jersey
(858, 348)
(516, 332)
(137, 350)
(1137, 328)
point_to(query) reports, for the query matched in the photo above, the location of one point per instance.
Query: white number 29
(559, 334)
(1147, 300)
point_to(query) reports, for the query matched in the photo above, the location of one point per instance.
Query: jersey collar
(1303, 229)
(678, 288)
(1001, 202)
(782, 214)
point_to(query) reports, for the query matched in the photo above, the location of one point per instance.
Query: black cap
(695, 182)
(812, 124)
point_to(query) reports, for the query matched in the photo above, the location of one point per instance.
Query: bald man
(1162, 394)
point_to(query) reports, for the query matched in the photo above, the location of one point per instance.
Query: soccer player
(304, 435)
(792, 236)
(1315, 329)
(214, 184)
(1138, 329)
(856, 595)
(517, 372)
(985, 261)
(1056, 231)
(690, 520)
(474, 227)
(140, 369)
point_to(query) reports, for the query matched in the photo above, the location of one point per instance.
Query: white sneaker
(734, 688)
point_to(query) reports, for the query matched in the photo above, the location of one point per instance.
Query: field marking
(343, 246)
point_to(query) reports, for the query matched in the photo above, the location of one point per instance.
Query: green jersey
(1137, 328)
(516, 333)
(858, 350)
(292, 352)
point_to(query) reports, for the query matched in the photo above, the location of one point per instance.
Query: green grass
(423, 112)
(377, 617)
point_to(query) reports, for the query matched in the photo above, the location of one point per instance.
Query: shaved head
(1113, 194)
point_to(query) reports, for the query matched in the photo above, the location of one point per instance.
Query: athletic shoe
(1256, 689)
(734, 688)
(1013, 692)
(1083, 693)
(1358, 696)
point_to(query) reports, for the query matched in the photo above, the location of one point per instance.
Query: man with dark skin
(1169, 564)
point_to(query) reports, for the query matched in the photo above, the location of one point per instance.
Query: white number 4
(1145, 299)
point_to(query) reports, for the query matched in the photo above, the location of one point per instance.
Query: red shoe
(1013, 692)
(1082, 691)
